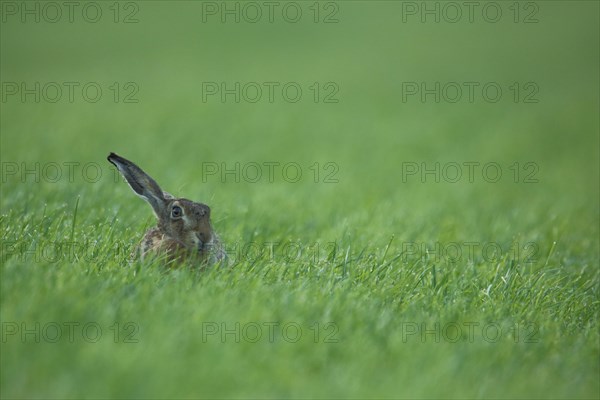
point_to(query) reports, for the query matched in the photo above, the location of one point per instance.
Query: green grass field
(363, 266)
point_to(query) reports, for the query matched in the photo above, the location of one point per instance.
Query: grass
(379, 285)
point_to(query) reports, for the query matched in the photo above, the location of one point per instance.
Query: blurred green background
(169, 54)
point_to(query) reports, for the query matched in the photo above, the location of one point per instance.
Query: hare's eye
(176, 212)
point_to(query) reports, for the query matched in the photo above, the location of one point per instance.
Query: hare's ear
(141, 183)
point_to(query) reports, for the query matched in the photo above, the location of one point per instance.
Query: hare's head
(183, 223)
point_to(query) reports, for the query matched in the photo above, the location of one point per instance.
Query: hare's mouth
(200, 245)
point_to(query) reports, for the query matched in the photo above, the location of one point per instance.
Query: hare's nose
(201, 241)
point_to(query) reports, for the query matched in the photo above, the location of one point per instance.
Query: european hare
(183, 228)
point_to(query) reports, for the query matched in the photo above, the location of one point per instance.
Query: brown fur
(183, 230)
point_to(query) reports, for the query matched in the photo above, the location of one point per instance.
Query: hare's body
(155, 242)
(184, 228)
